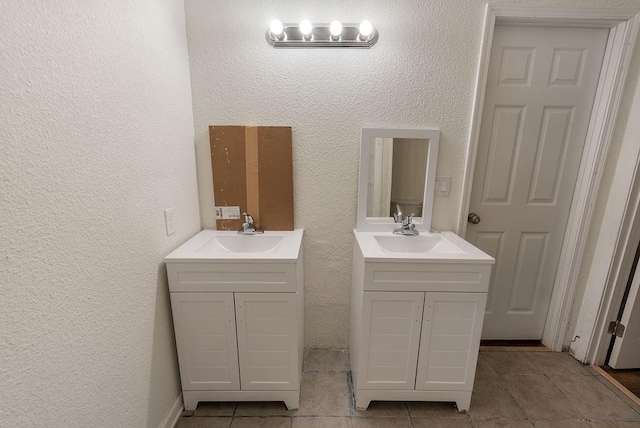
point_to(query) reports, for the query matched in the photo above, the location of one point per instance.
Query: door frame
(623, 25)
(616, 245)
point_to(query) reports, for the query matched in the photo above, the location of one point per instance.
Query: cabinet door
(450, 341)
(390, 337)
(205, 329)
(267, 341)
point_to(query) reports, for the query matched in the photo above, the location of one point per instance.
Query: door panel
(540, 89)
(449, 340)
(505, 143)
(390, 336)
(267, 341)
(552, 145)
(526, 284)
(205, 328)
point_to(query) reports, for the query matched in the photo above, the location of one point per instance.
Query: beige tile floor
(512, 389)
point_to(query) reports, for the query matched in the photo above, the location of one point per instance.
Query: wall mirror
(397, 167)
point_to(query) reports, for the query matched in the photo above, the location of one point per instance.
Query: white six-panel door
(205, 328)
(540, 90)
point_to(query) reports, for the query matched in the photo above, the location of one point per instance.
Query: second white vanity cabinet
(238, 309)
(418, 298)
(416, 325)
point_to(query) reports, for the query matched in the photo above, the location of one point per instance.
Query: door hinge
(616, 328)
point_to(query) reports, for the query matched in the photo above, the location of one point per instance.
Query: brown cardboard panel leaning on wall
(253, 170)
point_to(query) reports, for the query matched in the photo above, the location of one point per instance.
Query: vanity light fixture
(334, 35)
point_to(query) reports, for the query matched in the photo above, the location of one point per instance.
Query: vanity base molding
(191, 398)
(365, 397)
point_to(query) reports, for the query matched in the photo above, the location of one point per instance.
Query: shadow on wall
(163, 354)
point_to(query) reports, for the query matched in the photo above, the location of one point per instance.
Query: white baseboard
(173, 414)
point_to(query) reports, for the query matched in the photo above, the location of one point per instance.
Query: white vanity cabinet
(416, 325)
(238, 321)
(418, 298)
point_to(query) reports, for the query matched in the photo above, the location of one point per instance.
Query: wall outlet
(170, 220)
(443, 186)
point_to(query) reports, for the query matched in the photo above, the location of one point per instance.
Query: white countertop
(206, 246)
(450, 248)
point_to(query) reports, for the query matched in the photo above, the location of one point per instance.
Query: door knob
(473, 218)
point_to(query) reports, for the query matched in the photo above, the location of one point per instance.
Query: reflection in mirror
(397, 167)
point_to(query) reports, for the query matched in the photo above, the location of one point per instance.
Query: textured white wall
(96, 139)
(426, 80)
(422, 81)
(327, 96)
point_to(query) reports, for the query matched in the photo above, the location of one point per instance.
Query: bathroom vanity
(238, 310)
(417, 301)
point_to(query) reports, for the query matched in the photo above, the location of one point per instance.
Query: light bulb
(305, 27)
(366, 28)
(276, 27)
(335, 28)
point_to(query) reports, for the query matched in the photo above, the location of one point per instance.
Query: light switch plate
(443, 186)
(170, 220)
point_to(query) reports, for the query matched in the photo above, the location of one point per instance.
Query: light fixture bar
(349, 37)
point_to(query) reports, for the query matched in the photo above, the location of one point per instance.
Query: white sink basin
(444, 247)
(224, 246)
(244, 243)
(416, 244)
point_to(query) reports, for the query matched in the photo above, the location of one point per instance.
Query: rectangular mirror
(397, 167)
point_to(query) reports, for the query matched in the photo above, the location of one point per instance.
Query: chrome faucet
(407, 227)
(248, 227)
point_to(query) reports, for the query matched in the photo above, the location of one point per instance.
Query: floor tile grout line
(325, 370)
(520, 407)
(613, 385)
(565, 396)
(504, 387)
(547, 376)
(351, 394)
(609, 385)
(406, 406)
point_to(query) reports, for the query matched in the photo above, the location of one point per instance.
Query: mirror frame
(386, 224)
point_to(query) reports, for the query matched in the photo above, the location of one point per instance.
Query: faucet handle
(408, 220)
(248, 218)
(398, 216)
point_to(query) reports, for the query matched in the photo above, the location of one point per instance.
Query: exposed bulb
(277, 30)
(366, 29)
(276, 27)
(335, 28)
(306, 27)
